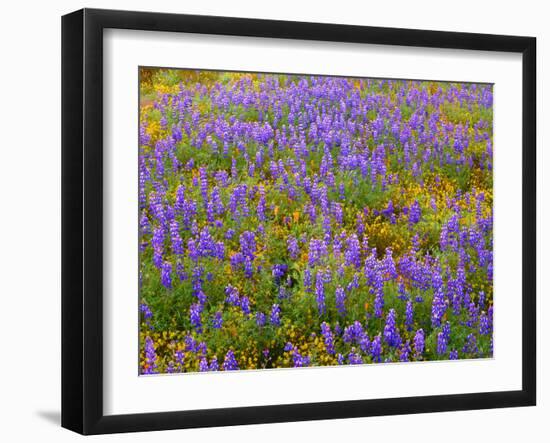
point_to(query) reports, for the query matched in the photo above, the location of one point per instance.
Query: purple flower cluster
(230, 362)
(150, 357)
(354, 214)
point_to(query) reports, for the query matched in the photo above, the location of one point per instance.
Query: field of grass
(292, 221)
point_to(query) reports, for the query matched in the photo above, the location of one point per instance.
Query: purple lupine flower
(195, 311)
(298, 360)
(342, 191)
(245, 305)
(247, 242)
(206, 244)
(197, 280)
(438, 303)
(236, 261)
(307, 279)
(409, 312)
(355, 358)
(365, 343)
(158, 246)
(192, 250)
(389, 264)
(248, 249)
(147, 314)
(261, 208)
(453, 224)
(441, 343)
(202, 348)
(230, 363)
(341, 300)
(234, 171)
(216, 201)
(275, 315)
(444, 237)
(353, 333)
(389, 211)
(484, 327)
(471, 345)
(472, 314)
(278, 271)
(210, 212)
(405, 351)
(260, 318)
(312, 212)
(180, 358)
(373, 273)
(180, 271)
(391, 334)
(292, 246)
(144, 225)
(352, 254)
(232, 295)
(317, 250)
(328, 337)
(201, 297)
(163, 122)
(447, 331)
(453, 355)
(190, 343)
(203, 364)
(418, 343)
(481, 300)
(217, 321)
(338, 212)
(151, 358)
(213, 366)
(166, 275)
(379, 300)
(204, 184)
(179, 205)
(219, 250)
(376, 349)
(320, 292)
(415, 213)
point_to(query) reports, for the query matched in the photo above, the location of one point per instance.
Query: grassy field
(292, 221)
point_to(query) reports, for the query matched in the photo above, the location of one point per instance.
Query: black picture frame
(82, 215)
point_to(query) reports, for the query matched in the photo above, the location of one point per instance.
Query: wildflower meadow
(297, 220)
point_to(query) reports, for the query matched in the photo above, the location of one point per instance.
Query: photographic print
(292, 221)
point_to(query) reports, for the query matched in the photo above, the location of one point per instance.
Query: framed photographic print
(269, 221)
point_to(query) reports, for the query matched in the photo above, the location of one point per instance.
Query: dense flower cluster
(292, 221)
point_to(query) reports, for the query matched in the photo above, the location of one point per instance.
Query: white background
(127, 393)
(30, 220)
